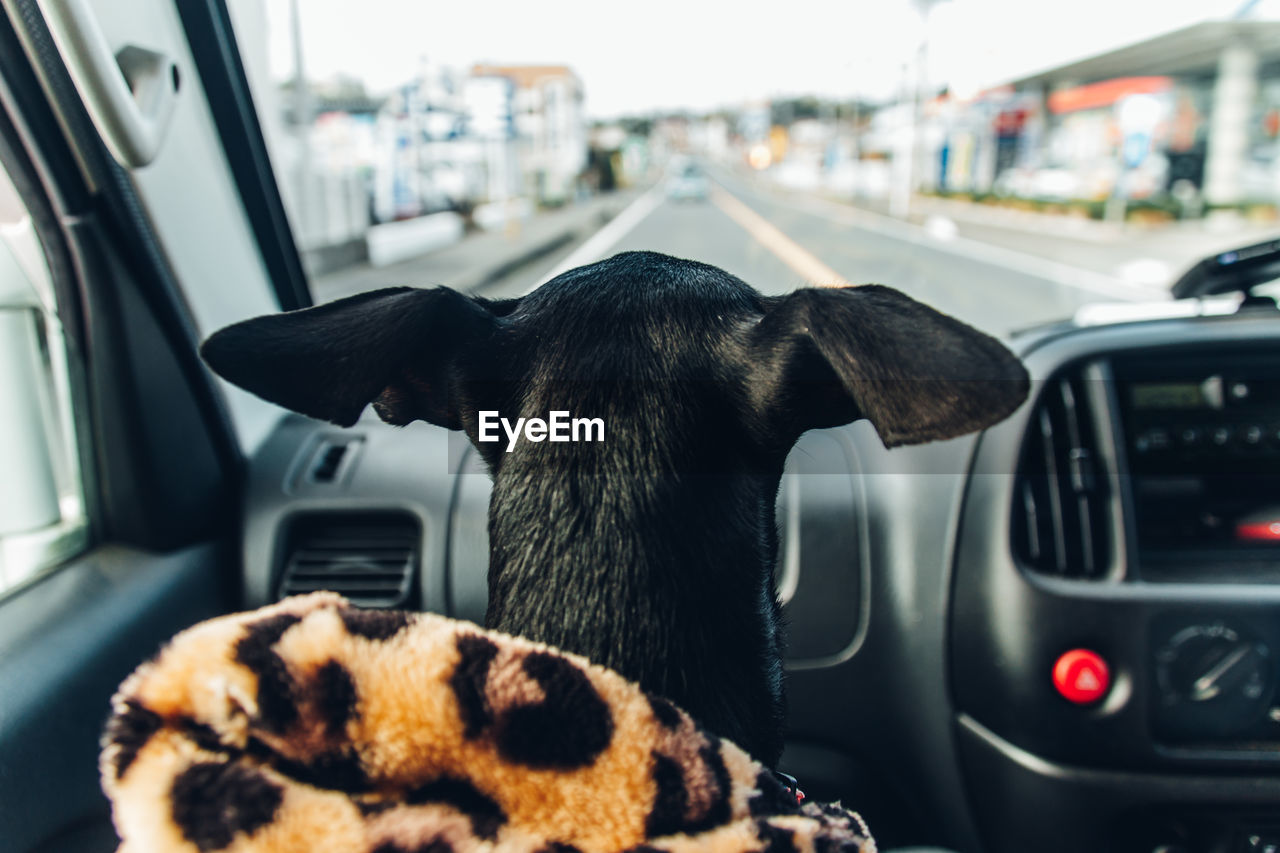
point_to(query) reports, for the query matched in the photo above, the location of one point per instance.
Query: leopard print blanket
(315, 726)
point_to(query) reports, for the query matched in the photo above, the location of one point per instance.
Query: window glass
(42, 514)
(1007, 162)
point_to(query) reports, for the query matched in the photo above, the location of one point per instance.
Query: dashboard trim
(1008, 623)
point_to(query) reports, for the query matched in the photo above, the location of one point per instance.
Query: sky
(651, 55)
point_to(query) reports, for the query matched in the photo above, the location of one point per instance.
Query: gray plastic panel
(66, 643)
(469, 541)
(1047, 775)
(821, 566)
(1032, 804)
(886, 707)
(1009, 626)
(867, 617)
(397, 468)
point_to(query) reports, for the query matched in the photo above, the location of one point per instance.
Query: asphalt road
(777, 242)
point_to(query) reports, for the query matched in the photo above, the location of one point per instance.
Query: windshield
(1005, 162)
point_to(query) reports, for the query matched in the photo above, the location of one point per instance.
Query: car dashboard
(1128, 510)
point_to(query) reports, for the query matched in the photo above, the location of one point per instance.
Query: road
(777, 242)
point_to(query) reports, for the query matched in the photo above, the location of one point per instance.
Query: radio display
(1168, 396)
(1202, 441)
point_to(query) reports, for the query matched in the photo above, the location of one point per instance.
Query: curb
(476, 268)
(528, 254)
(1030, 222)
(521, 259)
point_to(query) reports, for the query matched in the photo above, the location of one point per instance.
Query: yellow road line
(788, 251)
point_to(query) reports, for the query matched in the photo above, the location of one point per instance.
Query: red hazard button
(1081, 676)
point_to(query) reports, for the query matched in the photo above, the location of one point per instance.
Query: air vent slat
(398, 555)
(341, 560)
(323, 577)
(1087, 562)
(1048, 440)
(371, 559)
(360, 585)
(1060, 524)
(371, 541)
(1032, 516)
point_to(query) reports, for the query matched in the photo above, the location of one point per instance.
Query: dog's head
(674, 356)
(618, 549)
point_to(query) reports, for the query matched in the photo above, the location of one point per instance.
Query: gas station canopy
(1191, 51)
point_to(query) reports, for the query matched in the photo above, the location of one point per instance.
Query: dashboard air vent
(1060, 508)
(370, 559)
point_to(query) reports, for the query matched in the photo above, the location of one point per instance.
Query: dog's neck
(668, 581)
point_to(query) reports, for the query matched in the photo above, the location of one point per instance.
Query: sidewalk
(1153, 255)
(482, 258)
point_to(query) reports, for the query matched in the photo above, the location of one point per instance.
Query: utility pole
(302, 126)
(900, 193)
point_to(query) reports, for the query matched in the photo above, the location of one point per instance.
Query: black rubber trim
(82, 178)
(217, 58)
(47, 184)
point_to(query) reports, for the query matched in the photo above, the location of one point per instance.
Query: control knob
(1213, 681)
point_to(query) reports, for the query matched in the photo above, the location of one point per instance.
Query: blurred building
(1191, 116)
(321, 141)
(488, 143)
(618, 156)
(549, 124)
(434, 155)
(710, 137)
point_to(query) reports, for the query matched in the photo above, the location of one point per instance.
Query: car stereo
(1201, 437)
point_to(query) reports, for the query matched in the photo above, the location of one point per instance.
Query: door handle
(130, 94)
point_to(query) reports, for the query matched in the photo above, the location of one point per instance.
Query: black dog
(653, 551)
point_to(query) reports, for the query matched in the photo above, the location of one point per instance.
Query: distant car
(688, 182)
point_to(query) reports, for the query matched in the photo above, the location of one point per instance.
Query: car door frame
(163, 470)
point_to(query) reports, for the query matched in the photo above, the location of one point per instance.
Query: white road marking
(1146, 271)
(1011, 259)
(598, 245)
(791, 253)
(941, 228)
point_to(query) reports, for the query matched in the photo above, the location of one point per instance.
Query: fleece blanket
(314, 726)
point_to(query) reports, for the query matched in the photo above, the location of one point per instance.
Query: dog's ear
(827, 356)
(397, 348)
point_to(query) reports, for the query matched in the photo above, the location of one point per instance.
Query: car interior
(1060, 634)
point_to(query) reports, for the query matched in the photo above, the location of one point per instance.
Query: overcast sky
(659, 54)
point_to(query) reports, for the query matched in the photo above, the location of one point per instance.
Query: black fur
(130, 731)
(468, 681)
(664, 712)
(772, 798)
(652, 552)
(202, 735)
(276, 702)
(336, 698)
(486, 816)
(670, 799)
(567, 729)
(339, 771)
(214, 802)
(379, 625)
(719, 810)
(670, 813)
(776, 839)
(435, 845)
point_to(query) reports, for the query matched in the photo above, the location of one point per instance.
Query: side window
(42, 510)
